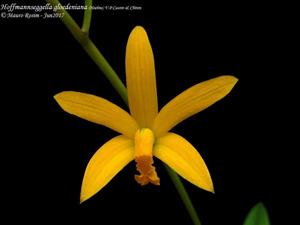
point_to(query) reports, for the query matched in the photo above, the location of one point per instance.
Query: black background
(241, 137)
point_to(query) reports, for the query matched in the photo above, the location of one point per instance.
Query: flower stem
(81, 35)
(87, 17)
(183, 195)
(91, 50)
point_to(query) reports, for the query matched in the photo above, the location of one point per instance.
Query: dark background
(241, 138)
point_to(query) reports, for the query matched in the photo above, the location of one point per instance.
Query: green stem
(87, 17)
(108, 71)
(90, 48)
(183, 195)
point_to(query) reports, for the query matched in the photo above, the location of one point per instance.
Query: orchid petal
(140, 78)
(192, 101)
(97, 110)
(184, 159)
(111, 158)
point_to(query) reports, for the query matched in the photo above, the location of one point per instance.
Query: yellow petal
(184, 159)
(140, 78)
(97, 110)
(192, 101)
(112, 157)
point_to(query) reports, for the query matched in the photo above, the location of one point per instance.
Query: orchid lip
(144, 140)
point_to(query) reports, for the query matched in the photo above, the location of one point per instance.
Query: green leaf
(258, 215)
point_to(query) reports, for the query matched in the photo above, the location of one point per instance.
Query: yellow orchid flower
(145, 131)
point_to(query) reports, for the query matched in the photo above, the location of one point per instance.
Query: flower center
(144, 140)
